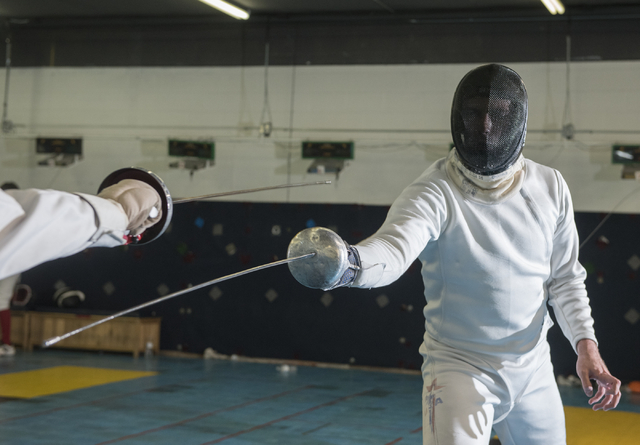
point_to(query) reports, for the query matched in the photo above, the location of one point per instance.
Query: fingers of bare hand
(599, 394)
(605, 378)
(609, 388)
(615, 385)
(614, 402)
(609, 383)
(605, 404)
(612, 390)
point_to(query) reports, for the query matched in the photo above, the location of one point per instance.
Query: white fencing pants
(464, 395)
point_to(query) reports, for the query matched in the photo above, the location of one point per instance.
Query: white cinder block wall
(397, 115)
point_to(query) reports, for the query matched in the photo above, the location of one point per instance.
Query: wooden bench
(19, 328)
(122, 334)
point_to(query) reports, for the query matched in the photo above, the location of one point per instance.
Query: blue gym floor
(196, 401)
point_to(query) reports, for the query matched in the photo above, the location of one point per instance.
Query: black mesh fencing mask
(489, 119)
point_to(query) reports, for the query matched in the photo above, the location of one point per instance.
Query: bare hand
(590, 366)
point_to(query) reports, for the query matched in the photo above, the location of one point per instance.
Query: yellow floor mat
(43, 382)
(588, 427)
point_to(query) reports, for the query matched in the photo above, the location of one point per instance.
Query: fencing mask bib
(489, 119)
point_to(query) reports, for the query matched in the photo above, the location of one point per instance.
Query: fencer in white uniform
(41, 225)
(496, 237)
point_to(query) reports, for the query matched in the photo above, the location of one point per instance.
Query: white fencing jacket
(488, 270)
(42, 225)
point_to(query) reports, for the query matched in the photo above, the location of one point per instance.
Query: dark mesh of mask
(489, 119)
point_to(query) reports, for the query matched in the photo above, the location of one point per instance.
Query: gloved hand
(138, 200)
(352, 269)
(335, 263)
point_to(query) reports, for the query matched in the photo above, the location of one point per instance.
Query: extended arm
(418, 216)
(41, 225)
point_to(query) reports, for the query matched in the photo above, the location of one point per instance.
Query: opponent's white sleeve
(417, 216)
(566, 288)
(42, 225)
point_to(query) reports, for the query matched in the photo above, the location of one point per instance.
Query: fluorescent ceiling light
(554, 6)
(559, 6)
(227, 8)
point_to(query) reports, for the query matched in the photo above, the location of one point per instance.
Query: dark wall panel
(611, 258)
(265, 314)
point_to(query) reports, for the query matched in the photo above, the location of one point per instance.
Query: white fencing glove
(351, 270)
(139, 201)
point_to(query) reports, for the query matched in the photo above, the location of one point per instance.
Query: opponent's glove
(335, 263)
(139, 201)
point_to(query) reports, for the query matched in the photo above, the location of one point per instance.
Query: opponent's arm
(41, 225)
